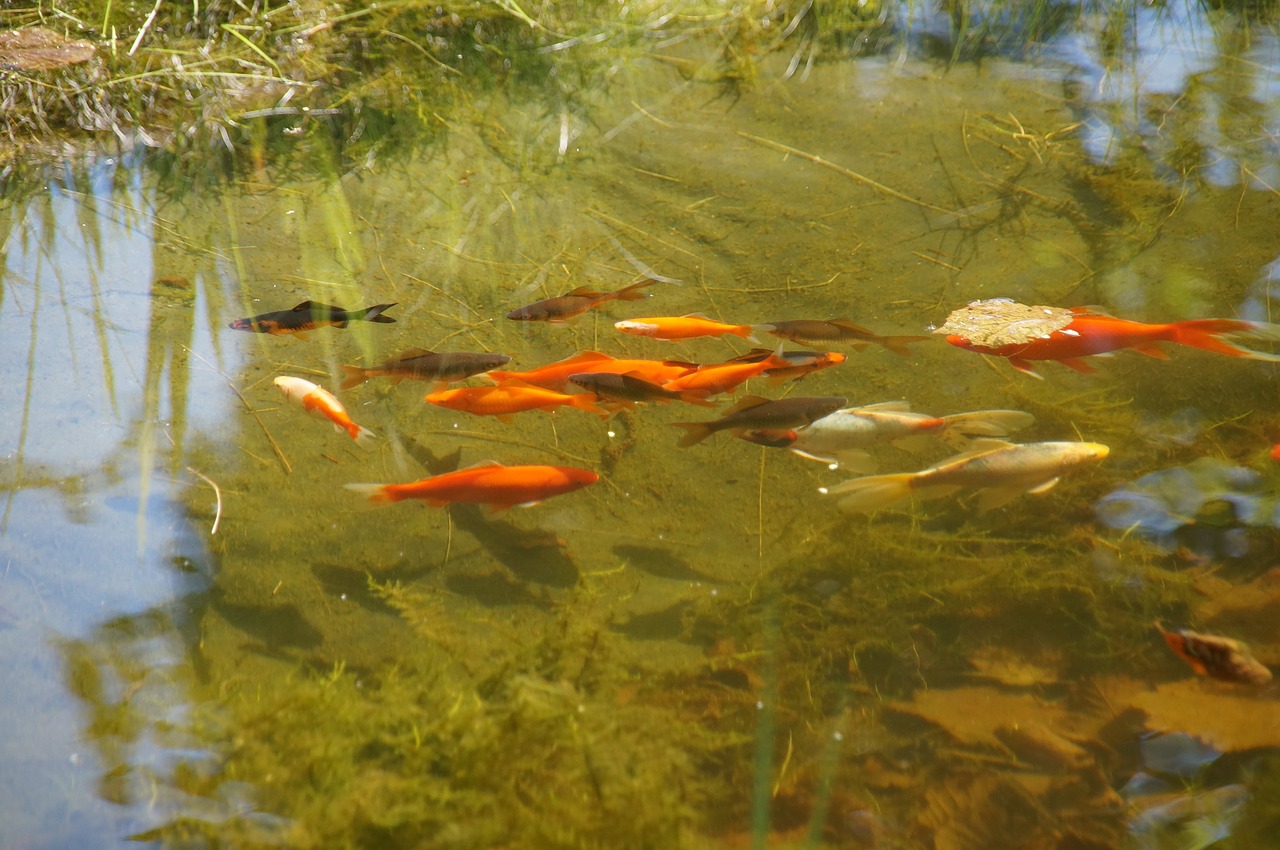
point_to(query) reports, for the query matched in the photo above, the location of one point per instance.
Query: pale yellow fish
(1000, 472)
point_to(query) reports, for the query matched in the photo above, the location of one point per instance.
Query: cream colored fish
(998, 471)
(840, 439)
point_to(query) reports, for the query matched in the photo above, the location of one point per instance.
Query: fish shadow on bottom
(659, 562)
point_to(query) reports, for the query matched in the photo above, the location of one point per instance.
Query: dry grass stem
(217, 494)
(839, 169)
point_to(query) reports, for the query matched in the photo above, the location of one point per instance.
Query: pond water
(209, 641)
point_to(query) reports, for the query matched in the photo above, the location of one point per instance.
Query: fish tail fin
(378, 494)
(363, 436)
(587, 402)
(633, 293)
(695, 432)
(751, 332)
(1207, 334)
(898, 344)
(374, 313)
(959, 428)
(698, 397)
(355, 376)
(873, 493)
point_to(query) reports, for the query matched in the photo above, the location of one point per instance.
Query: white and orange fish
(840, 439)
(320, 402)
(1000, 472)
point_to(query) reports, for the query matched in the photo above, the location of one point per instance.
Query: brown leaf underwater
(40, 49)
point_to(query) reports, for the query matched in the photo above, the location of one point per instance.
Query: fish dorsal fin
(413, 352)
(585, 357)
(746, 403)
(977, 447)
(1091, 310)
(484, 464)
(848, 325)
(516, 383)
(888, 406)
(586, 292)
(684, 363)
(316, 305)
(696, 316)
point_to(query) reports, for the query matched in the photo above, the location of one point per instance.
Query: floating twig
(840, 169)
(217, 494)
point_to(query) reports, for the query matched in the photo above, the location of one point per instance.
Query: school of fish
(987, 467)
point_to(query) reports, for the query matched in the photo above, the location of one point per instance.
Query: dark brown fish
(575, 303)
(840, 330)
(756, 413)
(307, 316)
(627, 389)
(418, 364)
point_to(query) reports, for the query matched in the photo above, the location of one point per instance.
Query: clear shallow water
(699, 645)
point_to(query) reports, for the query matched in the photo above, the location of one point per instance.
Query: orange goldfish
(575, 303)
(726, 377)
(487, 483)
(307, 316)
(686, 327)
(1086, 331)
(555, 376)
(511, 397)
(321, 402)
(802, 363)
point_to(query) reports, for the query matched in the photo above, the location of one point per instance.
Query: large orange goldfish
(726, 377)
(511, 397)
(555, 376)
(321, 402)
(686, 327)
(1084, 332)
(487, 483)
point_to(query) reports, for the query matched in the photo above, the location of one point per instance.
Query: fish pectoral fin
(990, 498)
(1151, 350)
(302, 334)
(889, 406)
(587, 292)
(1025, 368)
(855, 460)
(1045, 487)
(916, 442)
(484, 464)
(534, 503)
(1078, 364)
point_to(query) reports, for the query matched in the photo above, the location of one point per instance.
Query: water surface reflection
(698, 650)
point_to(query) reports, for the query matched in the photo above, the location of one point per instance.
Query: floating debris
(40, 49)
(1003, 321)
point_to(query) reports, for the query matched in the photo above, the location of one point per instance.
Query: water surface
(699, 650)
